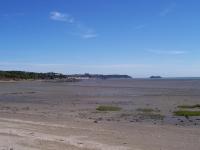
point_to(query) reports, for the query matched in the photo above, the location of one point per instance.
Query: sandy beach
(51, 115)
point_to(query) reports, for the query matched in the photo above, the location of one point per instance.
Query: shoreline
(36, 115)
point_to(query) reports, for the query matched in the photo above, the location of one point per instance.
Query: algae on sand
(108, 108)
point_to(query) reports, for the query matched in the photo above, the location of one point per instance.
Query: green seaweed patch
(189, 106)
(108, 108)
(186, 113)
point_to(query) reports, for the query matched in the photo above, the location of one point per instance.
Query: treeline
(17, 75)
(28, 75)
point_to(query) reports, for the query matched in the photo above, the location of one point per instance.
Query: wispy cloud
(120, 66)
(103, 66)
(18, 14)
(81, 30)
(164, 12)
(76, 68)
(58, 16)
(85, 32)
(167, 52)
(168, 10)
(89, 35)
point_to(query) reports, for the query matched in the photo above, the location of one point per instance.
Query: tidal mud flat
(121, 114)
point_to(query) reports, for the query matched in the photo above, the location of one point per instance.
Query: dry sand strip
(29, 135)
(21, 135)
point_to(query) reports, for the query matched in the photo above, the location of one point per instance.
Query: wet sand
(42, 115)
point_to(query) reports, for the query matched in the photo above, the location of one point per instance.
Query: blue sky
(135, 37)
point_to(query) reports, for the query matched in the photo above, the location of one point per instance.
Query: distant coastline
(155, 77)
(23, 75)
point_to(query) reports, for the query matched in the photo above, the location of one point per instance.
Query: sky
(135, 37)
